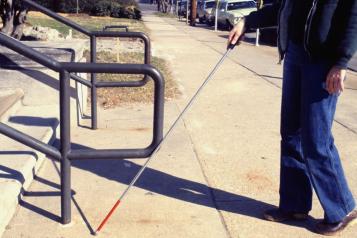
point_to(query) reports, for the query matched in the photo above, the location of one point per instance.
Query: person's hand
(237, 32)
(334, 80)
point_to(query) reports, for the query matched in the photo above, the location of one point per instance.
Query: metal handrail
(126, 28)
(93, 50)
(30, 53)
(29, 141)
(65, 154)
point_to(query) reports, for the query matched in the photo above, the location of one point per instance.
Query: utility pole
(193, 12)
(77, 7)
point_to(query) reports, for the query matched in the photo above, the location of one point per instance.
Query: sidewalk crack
(214, 200)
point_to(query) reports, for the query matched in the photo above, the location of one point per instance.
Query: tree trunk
(8, 13)
(158, 5)
(165, 5)
(193, 12)
(19, 23)
(13, 17)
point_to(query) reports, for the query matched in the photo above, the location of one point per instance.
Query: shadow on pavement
(155, 181)
(36, 121)
(8, 63)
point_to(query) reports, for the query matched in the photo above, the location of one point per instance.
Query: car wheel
(229, 26)
(210, 23)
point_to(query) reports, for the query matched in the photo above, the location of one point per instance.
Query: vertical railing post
(65, 136)
(159, 109)
(93, 59)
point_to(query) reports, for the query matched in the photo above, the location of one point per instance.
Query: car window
(222, 6)
(210, 4)
(240, 5)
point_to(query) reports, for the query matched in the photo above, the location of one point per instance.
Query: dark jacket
(330, 30)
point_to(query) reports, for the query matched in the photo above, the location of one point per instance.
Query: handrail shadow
(165, 184)
(34, 74)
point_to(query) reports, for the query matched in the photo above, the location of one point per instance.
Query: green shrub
(102, 8)
(116, 11)
(114, 8)
(130, 12)
(106, 8)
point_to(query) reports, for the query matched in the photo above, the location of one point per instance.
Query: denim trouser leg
(308, 152)
(295, 186)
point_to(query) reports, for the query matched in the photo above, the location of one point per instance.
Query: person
(316, 40)
(260, 4)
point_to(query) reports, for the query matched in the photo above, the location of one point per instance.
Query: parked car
(182, 8)
(204, 10)
(268, 2)
(230, 11)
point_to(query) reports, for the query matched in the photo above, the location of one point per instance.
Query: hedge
(127, 9)
(114, 8)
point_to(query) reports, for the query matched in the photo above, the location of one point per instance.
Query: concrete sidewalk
(214, 176)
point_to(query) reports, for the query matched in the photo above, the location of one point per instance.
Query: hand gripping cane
(137, 176)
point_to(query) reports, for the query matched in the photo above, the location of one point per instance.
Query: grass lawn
(161, 14)
(89, 22)
(111, 97)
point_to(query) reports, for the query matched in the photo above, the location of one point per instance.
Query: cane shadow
(158, 182)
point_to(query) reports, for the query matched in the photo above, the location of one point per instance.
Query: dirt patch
(147, 221)
(112, 97)
(258, 180)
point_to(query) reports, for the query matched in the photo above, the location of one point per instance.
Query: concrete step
(37, 117)
(63, 51)
(10, 102)
(19, 163)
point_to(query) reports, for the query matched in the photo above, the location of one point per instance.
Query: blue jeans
(309, 157)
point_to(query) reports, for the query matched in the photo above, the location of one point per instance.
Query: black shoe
(330, 229)
(276, 215)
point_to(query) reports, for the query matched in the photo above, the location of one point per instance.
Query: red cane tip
(108, 216)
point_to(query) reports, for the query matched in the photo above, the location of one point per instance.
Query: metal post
(187, 13)
(257, 37)
(93, 59)
(176, 9)
(65, 147)
(216, 16)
